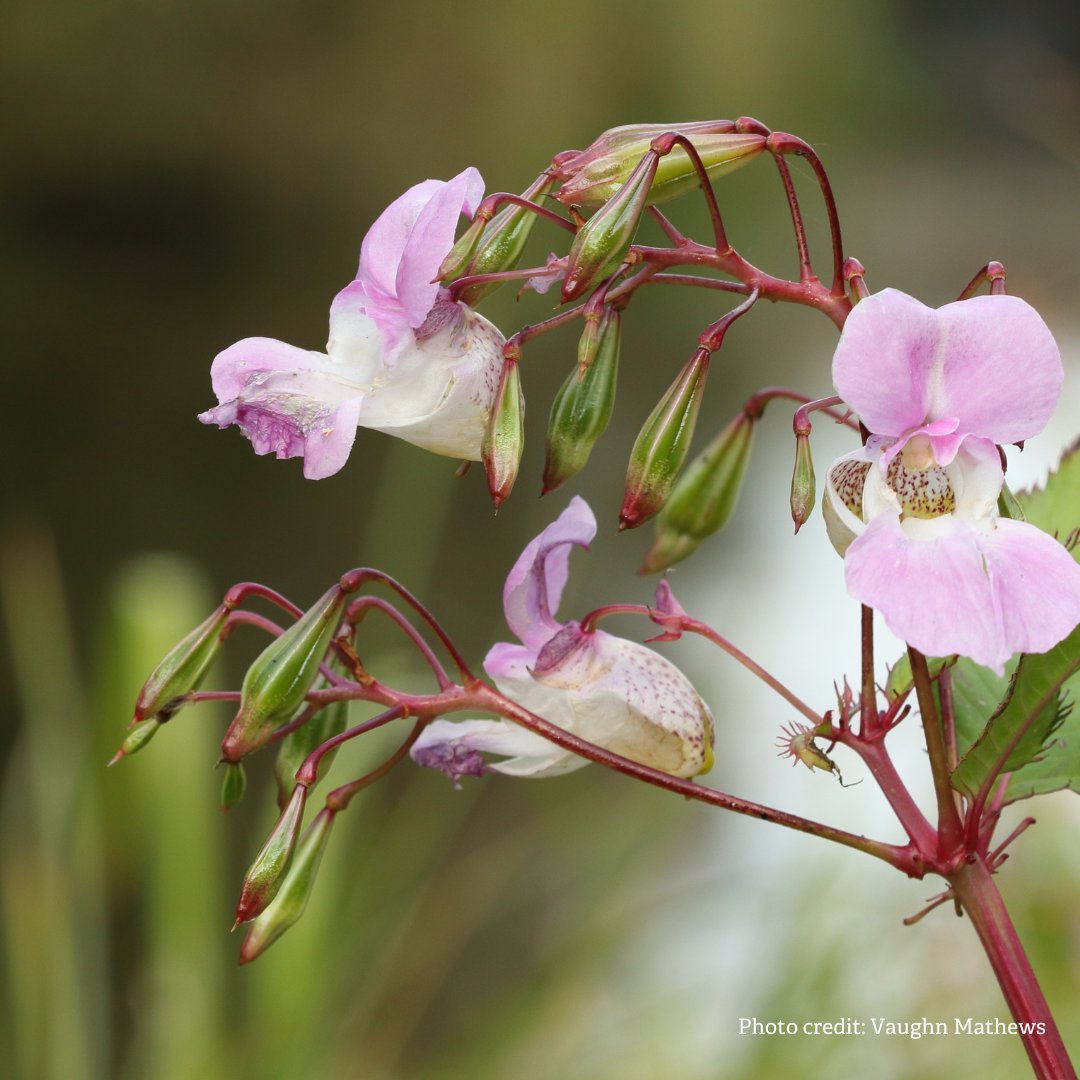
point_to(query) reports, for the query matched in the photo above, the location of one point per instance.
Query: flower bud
(602, 242)
(292, 897)
(504, 438)
(803, 486)
(591, 177)
(233, 786)
(704, 497)
(278, 681)
(583, 406)
(136, 739)
(183, 669)
(662, 444)
(497, 247)
(266, 873)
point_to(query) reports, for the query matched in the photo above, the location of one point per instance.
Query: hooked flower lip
(613, 692)
(401, 357)
(914, 512)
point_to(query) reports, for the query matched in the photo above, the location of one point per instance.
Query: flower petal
(984, 590)
(989, 362)
(622, 696)
(383, 246)
(365, 331)
(456, 748)
(403, 250)
(880, 365)
(431, 238)
(534, 586)
(438, 393)
(287, 401)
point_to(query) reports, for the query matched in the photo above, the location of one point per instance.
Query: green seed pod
(592, 176)
(704, 497)
(267, 872)
(183, 669)
(504, 439)
(277, 682)
(603, 241)
(662, 444)
(296, 746)
(583, 406)
(292, 897)
(233, 786)
(803, 485)
(456, 263)
(503, 240)
(136, 739)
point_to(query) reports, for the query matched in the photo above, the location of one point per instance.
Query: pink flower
(914, 512)
(401, 357)
(616, 693)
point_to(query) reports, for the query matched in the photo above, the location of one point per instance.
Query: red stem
(974, 886)
(483, 697)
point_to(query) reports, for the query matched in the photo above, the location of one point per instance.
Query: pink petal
(287, 401)
(984, 592)
(505, 660)
(431, 238)
(989, 362)
(534, 586)
(382, 248)
(456, 749)
(234, 367)
(879, 367)
(403, 250)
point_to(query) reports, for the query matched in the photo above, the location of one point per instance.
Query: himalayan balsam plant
(980, 583)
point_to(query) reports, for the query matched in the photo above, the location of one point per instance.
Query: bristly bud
(136, 739)
(277, 682)
(803, 486)
(662, 444)
(267, 872)
(504, 439)
(497, 246)
(233, 786)
(703, 498)
(292, 896)
(592, 176)
(583, 406)
(182, 671)
(603, 241)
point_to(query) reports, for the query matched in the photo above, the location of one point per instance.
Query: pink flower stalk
(401, 357)
(615, 693)
(914, 512)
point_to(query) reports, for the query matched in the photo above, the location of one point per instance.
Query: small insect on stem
(797, 742)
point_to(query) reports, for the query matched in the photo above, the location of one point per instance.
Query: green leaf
(977, 694)
(1017, 733)
(901, 681)
(1058, 766)
(1055, 508)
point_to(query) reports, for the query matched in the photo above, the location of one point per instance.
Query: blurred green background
(178, 175)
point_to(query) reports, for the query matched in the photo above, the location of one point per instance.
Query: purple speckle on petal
(452, 758)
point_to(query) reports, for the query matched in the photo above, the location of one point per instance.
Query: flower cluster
(613, 692)
(915, 511)
(401, 357)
